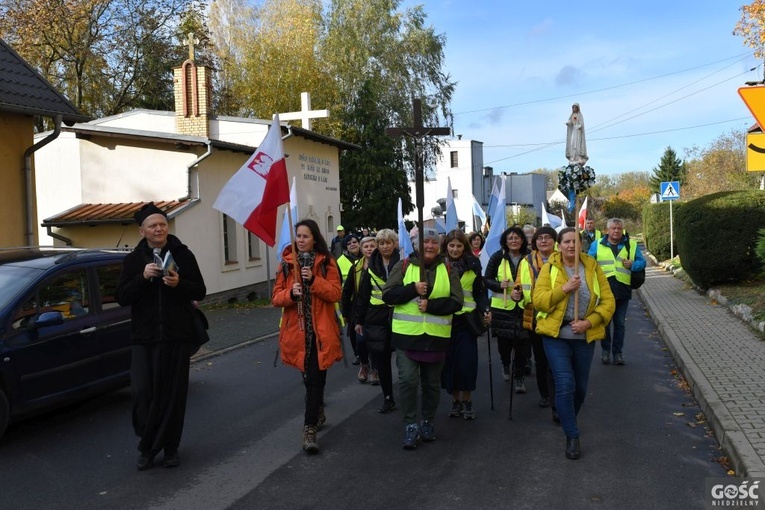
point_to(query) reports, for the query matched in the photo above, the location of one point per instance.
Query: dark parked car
(63, 336)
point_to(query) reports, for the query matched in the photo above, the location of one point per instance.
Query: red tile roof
(93, 214)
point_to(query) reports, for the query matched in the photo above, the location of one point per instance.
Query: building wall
(16, 135)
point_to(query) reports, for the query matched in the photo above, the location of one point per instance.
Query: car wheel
(4, 412)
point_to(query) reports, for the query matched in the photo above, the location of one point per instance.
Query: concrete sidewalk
(722, 359)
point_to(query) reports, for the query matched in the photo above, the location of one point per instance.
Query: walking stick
(512, 382)
(491, 378)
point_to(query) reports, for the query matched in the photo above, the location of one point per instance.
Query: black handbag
(475, 321)
(200, 328)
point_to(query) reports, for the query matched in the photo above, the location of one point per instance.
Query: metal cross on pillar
(416, 132)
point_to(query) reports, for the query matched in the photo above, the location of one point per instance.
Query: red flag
(582, 214)
(253, 195)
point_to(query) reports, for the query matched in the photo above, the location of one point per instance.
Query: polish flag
(582, 214)
(253, 195)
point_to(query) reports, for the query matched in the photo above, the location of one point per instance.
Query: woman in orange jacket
(309, 336)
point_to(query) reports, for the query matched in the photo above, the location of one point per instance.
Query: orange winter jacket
(325, 292)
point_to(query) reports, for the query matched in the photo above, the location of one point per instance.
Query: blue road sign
(670, 190)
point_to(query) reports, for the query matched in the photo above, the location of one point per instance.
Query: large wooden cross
(416, 132)
(305, 114)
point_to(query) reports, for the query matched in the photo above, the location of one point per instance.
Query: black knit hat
(146, 211)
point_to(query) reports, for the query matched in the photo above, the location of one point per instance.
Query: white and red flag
(253, 195)
(582, 214)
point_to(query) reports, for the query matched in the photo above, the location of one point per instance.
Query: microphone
(305, 261)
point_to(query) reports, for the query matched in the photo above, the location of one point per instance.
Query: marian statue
(576, 146)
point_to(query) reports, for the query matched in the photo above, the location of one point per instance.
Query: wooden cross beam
(416, 132)
(305, 114)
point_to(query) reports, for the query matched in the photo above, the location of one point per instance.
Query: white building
(92, 179)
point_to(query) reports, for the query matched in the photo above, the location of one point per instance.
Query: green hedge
(656, 229)
(717, 234)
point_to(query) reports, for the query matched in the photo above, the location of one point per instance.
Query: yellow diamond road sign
(754, 97)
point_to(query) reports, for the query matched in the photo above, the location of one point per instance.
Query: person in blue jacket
(619, 257)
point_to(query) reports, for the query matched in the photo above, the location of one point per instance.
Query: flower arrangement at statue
(575, 177)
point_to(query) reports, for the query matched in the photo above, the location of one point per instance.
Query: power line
(740, 57)
(552, 144)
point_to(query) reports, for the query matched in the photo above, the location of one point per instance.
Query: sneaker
(427, 431)
(355, 361)
(145, 461)
(456, 409)
(310, 444)
(506, 372)
(618, 359)
(374, 377)
(467, 410)
(528, 367)
(544, 402)
(363, 373)
(520, 387)
(411, 436)
(605, 357)
(388, 405)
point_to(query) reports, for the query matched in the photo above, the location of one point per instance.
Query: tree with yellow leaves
(751, 27)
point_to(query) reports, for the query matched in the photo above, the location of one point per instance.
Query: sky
(647, 75)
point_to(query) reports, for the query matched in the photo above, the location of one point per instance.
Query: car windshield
(13, 280)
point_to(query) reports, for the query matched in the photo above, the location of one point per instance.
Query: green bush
(759, 248)
(656, 229)
(717, 235)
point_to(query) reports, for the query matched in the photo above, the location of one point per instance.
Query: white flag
(451, 210)
(498, 225)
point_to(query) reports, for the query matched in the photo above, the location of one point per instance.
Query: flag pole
(578, 245)
(298, 279)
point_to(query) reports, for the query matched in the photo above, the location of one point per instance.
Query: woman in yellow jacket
(569, 337)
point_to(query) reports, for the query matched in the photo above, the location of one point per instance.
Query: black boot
(573, 451)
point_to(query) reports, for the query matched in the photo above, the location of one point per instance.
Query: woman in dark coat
(163, 334)
(509, 277)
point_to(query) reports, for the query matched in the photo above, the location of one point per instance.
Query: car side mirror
(47, 319)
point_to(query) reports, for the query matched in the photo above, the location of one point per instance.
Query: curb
(733, 441)
(213, 354)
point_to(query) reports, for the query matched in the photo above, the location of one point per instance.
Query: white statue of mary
(576, 146)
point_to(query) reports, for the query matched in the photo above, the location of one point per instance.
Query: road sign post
(670, 191)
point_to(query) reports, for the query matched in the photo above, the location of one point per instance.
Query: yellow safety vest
(524, 270)
(467, 280)
(409, 320)
(345, 264)
(613, 266)
(554, 274)
(377, 283)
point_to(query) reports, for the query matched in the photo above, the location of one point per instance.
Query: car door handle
(87, 330)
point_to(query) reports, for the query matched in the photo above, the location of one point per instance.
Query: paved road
(642, 445)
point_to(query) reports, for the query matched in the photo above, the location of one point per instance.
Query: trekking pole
(512, 382)
(491, 379)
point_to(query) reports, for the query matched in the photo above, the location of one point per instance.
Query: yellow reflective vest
(613, 266)
(524, 278)
(409, 320)
(466, 281)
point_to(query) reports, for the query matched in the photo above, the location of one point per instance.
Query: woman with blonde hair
(575, 303)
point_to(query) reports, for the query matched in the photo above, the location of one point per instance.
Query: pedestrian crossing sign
(670, 190)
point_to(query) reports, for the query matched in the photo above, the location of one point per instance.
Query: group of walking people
(429, 309)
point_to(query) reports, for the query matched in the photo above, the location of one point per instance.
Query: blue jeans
(570, 362)
(411, 376)
(620, 316)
